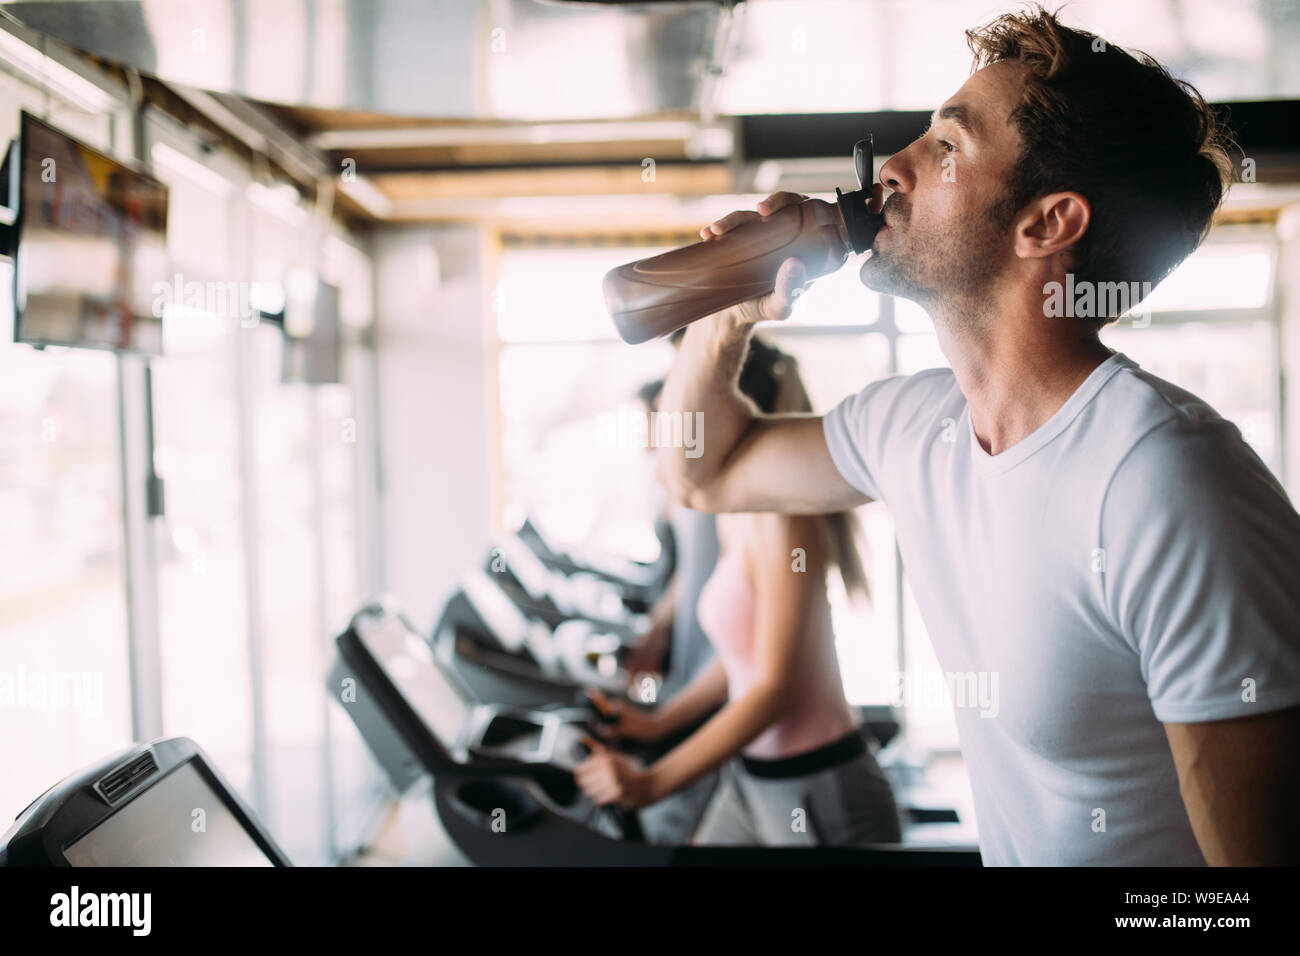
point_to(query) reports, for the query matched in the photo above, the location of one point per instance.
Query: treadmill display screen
(502, 615)
(409, 663)
(161, 827)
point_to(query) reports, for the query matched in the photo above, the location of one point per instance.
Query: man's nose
(889, 174)
(895, 174)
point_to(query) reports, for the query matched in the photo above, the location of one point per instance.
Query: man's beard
(950, 268)
(894, 274)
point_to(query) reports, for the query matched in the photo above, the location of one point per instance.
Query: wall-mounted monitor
(91, 245)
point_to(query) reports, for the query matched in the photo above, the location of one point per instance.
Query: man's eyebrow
(959, 115)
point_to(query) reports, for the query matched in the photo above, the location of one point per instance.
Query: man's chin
(880, 274)
(869, 274)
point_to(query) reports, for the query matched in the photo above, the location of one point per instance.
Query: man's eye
(947, 146)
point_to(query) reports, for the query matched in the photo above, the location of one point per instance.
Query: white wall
(434, 411)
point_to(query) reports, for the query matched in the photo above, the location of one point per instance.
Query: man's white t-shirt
(1131, 562)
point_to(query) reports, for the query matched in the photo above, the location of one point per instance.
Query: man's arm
(1240, 782)
(1202, 568)
(742, 460)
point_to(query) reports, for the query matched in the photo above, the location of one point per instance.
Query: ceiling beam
(693, 179)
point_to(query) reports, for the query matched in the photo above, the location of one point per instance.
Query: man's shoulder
(920, 391)
(1177, 452)
(900, 408)
(887, 414)
(1152, 400)
(933, 380)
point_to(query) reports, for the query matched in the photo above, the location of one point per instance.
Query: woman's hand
(623, 721)
(609, 777)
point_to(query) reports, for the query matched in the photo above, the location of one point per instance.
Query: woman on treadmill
(794, 764)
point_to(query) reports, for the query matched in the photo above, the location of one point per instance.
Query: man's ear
(1051, 224)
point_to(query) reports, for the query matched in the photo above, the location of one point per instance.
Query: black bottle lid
(862, 224)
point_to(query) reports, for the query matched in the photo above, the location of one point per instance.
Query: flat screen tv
(89, 243)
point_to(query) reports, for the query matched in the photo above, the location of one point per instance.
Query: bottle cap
(862, 224)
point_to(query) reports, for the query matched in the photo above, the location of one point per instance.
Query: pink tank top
(818, 713)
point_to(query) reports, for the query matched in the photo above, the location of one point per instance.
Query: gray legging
(848, 804)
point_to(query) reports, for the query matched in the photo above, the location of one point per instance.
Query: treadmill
(553, 595)
(141, 807)
(500, 767)
(642, 584)
(505, 651)
(503, 783)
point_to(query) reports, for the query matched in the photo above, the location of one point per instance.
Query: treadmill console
(444, 727)
(141, 807)
(529, 737)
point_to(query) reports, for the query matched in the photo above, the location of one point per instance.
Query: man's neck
(1015, 370)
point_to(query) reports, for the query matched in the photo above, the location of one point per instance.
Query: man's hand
(766, 207)
(740, 460)
(791, 278)
(614, 778)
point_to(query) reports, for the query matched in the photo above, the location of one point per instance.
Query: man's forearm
(702, 389)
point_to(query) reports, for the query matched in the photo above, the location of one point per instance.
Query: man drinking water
(1097, 538)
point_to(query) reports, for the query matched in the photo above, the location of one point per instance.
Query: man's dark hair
(1145, 149)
